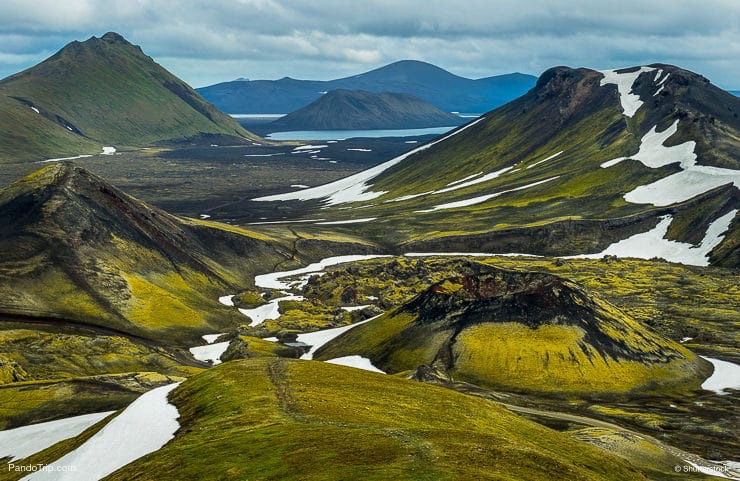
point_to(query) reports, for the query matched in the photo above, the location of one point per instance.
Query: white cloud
(330, 38)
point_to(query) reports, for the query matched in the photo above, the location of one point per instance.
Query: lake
(348, 134)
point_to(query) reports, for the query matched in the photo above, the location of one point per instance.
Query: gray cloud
(215, 40)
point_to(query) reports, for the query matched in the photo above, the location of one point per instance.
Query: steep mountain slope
(442, 89)
(520, 331)
(291, 420)
(358, 109)
(583, 160)
(104, 91)
(78, 252)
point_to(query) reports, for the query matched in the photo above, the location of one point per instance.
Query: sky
(210, 41)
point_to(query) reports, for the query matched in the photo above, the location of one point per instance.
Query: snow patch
(143, 427)
(83, 156)
(654, 154)
(355, 187)
(285, 221)
(355, 308)
(299, 186)
(457, 185)
(483, 198)
(35, 109)
(653, 244)
(310, 147)
(691, 181)
(210, 352)
(350, 221)
(204, 216)
(211, 338)
(20, 443)
(726, 375)
(319, 338)
(227, 300)
(464, 179)
(624, 82)
(358, 362)
(274, 280)
(545, 160)
(271, 310)
(108, 151)
(360, 150)
(683, 185)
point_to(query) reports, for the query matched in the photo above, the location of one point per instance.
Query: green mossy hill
(34, 355)
(104, 91)
(273, 419)
(521, 331)
(551, 195)
(79, 251)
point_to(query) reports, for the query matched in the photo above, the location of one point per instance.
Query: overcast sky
(209, 41)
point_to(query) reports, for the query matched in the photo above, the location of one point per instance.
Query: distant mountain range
(101, 92)
(583, 160)
(439, 87)
(358, 109)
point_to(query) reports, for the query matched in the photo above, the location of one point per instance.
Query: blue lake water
(348, 134)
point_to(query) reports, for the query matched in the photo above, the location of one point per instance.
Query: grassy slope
(583, 210)
(110, 93)
(675, 300)
(569, 353)
(81, 251)
(284, 420)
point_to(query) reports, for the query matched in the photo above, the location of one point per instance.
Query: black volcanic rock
(358, 109)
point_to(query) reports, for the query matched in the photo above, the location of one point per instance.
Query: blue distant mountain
(437, 86)
(736, 93)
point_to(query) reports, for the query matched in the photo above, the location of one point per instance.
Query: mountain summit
(437, 86)
(358, 109)
(584, 160)
(103, 91)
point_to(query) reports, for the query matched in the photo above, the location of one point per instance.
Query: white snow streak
(483, 198)
(464, 179)
(545, 160)
(83, 156)
(653, 244)
(319, 338)
(310, 147)
(20, 443)
(457, 185)
(355, 188)
(273, 280)
(143, 427)
(624, 82)
(349, 221)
